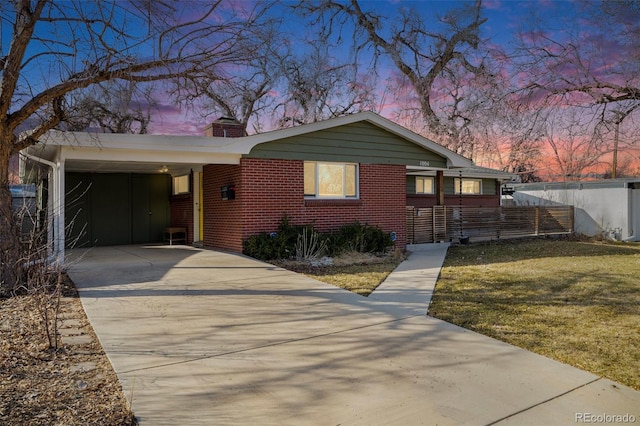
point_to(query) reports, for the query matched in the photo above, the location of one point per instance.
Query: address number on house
(424, 164)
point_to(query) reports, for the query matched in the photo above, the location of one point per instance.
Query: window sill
(331, 202)
(183, 196)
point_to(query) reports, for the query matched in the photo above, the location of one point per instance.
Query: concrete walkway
(411, 284)
(204, 337)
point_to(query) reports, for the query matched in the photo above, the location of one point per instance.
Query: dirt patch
(73, 385)
(357, 272)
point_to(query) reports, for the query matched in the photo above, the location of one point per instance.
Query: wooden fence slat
(449, 223)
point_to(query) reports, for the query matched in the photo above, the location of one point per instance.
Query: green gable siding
(356, 143)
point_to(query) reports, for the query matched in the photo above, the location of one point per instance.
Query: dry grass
(74, 385)
(357, 272)
(574, 301)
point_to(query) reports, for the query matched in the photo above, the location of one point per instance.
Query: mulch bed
(72, 385)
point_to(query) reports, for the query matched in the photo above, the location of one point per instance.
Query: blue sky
(504, 19)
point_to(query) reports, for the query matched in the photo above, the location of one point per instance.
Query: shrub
(290, 241)
(360, 238)
(275, 245)
(259, 246)
(310, 245)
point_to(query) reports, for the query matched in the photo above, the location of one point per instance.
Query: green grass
(574, 301)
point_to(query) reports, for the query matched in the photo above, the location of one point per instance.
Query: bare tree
(588, 70)
(426, 58)
(57, 48)
(110, 107)
(244, 92)
(318, 87)
(511, 140)
(576, 147)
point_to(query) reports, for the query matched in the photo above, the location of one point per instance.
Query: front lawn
(357, 272)
(574, 301)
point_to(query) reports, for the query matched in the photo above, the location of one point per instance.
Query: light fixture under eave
(164, 169)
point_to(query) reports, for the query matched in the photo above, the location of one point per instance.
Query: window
(181, 185)
(468, 186)
(424, 185)
(330, 180)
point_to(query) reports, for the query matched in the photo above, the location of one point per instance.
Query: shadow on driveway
(202, 337)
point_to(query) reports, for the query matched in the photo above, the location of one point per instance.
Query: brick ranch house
(116, 189)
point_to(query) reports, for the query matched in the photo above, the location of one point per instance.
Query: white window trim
(456, 186)
(426, 179)
(344, 182)
(176, 189)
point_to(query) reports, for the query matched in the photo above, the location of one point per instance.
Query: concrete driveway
(205, 337)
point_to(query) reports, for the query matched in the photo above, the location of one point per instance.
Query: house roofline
(453, 159)
(466, 172)
(241, 145)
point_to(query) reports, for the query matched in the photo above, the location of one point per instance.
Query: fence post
(571, 219)
(434, 226)
(536, 221)
(410, 213)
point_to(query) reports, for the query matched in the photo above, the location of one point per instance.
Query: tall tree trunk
(9, 235)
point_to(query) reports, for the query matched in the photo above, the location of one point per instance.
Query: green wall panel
(116, 208)
(150, 208)
(77, 212)
(110, 209)
(411, 185)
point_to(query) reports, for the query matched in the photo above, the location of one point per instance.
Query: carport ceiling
(128, 167)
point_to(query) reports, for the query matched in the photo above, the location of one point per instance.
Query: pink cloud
(493, 4)
(170, 119)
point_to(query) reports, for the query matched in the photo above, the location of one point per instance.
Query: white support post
(55, 206)
(58, 215)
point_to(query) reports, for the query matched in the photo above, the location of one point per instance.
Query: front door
(150, 207)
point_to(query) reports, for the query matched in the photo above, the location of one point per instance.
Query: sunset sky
(504, 19)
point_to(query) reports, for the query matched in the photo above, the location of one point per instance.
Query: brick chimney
(225, 127)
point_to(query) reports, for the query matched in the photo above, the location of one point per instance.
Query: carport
(106, 189)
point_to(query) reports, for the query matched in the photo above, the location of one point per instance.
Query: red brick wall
(225, 130)
(182, 213)
(266, 190)
(222, 218)
(423, 200)
(273, 188)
